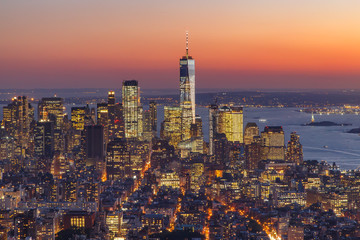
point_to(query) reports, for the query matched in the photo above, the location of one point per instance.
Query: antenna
(187, 44)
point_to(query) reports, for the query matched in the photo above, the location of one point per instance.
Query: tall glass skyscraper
(187, 83)
(132, 109)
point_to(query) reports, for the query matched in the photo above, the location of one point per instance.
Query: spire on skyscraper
(187, 44)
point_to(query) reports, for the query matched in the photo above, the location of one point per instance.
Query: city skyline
(263, 44)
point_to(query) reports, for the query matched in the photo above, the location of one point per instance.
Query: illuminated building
(114, 221)
(131, 108)
(213, 118)
(295, 233)
(125, 157)
(154, 222)
(79, 219)
(273, 146)
(237, 156)
(119, 127)
(111, 107)
(171, 126)
(44, 139)
(103, 119)
(221, 148)
(118, 163)
(52, 109)
(294, 152)
(17, 117)
(24, 222)
(290, 197)
(59, 165)
(111, 114)
(196, 175)
(187, 83)
(69, 189)
(196, 128)
(147, 126)
(170, 178)
(253, 153)
(162, 154)
(192, 145)
(7, 147)
(230, 122)
(78, 117)
(153, 116)
(251, 130)
(47, 224)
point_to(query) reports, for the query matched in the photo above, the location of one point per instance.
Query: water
(342, 148)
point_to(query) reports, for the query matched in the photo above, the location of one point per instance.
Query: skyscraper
(131, 108)
(171, 126)
(273, 145)
(213, 117)
(294, 151)
(251, 130)
(17, 117)
(52, 108)
(103, 119)
(78, 117)
(187, 83)
(44, 139)
(111, 113)
(153, 116)
(230, 122)
(94, 144)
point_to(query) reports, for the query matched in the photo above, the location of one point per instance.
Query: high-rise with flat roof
(131, 108)
(52, 108)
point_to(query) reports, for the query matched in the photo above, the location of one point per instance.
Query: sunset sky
(237, 44)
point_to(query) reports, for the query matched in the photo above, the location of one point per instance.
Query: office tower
(237, 157)
(147, 126)
(59, 165)
(94, 145)
(126, 157)
(171, 126)
(118, 163)
(113, 221)
(187, 83)
(213, 117)
(111, 113)
(119, 125)
(253, 153)
(7, 148)
(196, 128)
(102, 118)
(294, 151)
(162, 154)
(221, 148)
(295, 233)
(52, 109)
(17, 117)
(131, 109)
(153, 116)
(196, 175)
(273, 146)
(44, 139)
(78, 117)
(251, 130)
(230, 122)
(24, 224)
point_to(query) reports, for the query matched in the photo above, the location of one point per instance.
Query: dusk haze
(246, 44)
